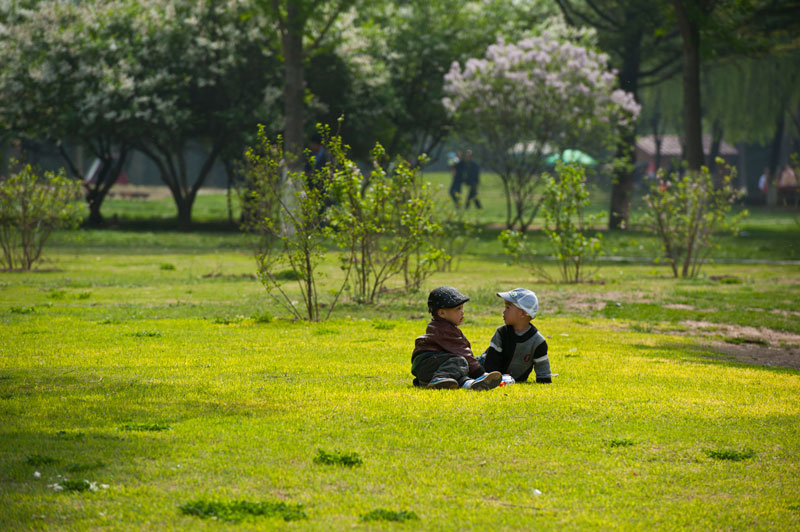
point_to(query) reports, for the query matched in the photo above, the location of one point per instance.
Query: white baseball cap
(522, 298)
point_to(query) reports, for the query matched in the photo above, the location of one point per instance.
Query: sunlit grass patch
(237, 511)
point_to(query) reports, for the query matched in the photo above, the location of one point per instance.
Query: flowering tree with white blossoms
(524, 100)
(152, 75)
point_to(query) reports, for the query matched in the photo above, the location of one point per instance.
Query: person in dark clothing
(317, 175)
(442, 357)
(517, 348)
(472, 178)
(457, 168)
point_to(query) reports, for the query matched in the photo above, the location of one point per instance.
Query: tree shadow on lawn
(769, 359)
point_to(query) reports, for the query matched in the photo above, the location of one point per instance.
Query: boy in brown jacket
(442, 357)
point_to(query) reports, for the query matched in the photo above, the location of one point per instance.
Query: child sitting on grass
(517, 347)
(442, 357)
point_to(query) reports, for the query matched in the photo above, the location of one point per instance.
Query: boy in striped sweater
(517, 348)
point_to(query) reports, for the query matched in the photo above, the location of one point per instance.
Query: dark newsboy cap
(445, 297)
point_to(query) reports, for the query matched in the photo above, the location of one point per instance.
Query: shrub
(32, 206)
(564, 202)
(287, 209)
(385, 224)
(686, 211)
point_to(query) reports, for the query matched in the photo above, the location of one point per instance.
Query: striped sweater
(518, 354)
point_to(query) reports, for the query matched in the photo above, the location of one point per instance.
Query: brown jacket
(441, 336)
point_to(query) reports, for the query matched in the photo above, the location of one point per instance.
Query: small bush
(731, 454)
(22, 310)
(383, 325)
(566, 226)
(337, 458)
(236, 511)
(389, 515)
(685, 213)
(263, 317)
(84, 295)
(167, 266)
(32, 206)
(57, 294)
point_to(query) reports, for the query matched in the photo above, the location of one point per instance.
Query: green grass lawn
(152, 365)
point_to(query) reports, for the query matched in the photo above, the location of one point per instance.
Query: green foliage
(337, 458)
(385, 224)
(32, 206)
(147, 334)
(167, 266)
(40, 460)
(564, 204)
(81, 467)
(286, 208)
(263, 317)
(389, 515)
(685, 212)
(733, 455)
(145, 427)
(237, 511)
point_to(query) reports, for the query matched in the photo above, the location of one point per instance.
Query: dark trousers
(455, 191)
(473, 196)
(428, 366)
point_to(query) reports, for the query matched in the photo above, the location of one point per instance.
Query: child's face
(454, 315)
(514, 316)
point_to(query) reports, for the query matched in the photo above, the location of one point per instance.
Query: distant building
(671, 153)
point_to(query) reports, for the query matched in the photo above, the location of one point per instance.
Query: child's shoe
(443, 383)
(487, 381)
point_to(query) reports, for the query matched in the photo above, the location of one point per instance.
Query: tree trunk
(693, 129)
(775, 147)
(622, 187)
(294, 132)
(184, 204)
(95, 200)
